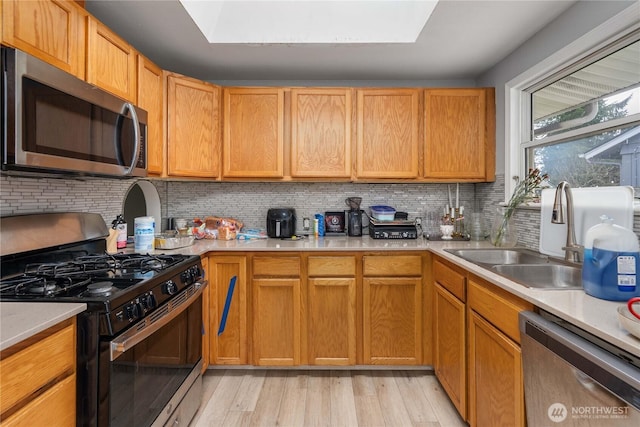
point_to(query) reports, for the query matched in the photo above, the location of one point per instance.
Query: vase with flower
(503, 231)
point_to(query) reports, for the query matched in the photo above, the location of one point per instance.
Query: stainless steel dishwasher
(572, 378)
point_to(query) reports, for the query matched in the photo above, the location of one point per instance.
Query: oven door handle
(156, 320)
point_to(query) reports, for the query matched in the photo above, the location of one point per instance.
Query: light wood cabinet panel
(206, 318)
(253, 133)
(459, 134)
(450, 346)
(392, 265)
(387, 133)
(321, 133)
(332, 266)
(496, 391)
(392, 310)
(230, 347)
(332, 321)
(111, 61)
(52, 30)
(38, 376)
(276, 321)
(276, 266)
(57, 405)
(193, 127)
(150, 94)
(497, 306)
(451, 278)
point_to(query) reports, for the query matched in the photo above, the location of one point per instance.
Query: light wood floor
(324, 398)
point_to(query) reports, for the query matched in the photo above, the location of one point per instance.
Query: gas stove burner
(100, 288)
(41, 287)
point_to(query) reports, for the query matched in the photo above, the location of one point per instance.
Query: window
(576, 114)
(585, 124)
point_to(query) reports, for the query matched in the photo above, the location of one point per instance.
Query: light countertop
(594, 315)
(21, 320)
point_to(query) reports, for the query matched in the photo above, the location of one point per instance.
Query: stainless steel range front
(139, 347)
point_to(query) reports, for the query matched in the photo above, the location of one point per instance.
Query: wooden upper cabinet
(253, 133)
(459, 134)
(150, 93)
(111, 61)
(387, 134)
(52, 30)
(321, 133)
(193, 127)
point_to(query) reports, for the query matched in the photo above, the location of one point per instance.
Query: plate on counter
(628, 321)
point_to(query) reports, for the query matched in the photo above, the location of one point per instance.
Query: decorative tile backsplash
(249, 201)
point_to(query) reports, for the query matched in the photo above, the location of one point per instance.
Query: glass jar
(503, 230)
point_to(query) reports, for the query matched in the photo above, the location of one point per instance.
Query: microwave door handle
(127, 106)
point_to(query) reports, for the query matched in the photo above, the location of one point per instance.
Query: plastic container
(383, 213)
(144, 233)
(611, 262)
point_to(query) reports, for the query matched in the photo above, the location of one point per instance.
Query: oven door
(152, 362)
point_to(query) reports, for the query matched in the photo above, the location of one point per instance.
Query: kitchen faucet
(572, 250)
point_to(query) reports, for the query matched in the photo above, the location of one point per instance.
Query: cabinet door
(150, 94)
(111, 61)
(230, 347)
(53, 31)
(449, 346)
(392, 309)
(206, 318)
(193, 128)
(332, 321)
(321, 133)
(496, 393)
(253, 133)
(387, 134)
(276, 321)
(456, 145)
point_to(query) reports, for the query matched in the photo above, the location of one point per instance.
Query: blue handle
(227, 303)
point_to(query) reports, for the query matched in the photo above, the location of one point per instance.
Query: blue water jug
(611, 262)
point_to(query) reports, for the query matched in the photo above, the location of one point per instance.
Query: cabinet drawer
(58, 403)
(276, 266)
(450, 279)
(332, 266)
(498, 307)
(51, 356)
(392, 265)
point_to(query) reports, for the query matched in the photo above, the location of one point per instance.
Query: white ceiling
(461, 40)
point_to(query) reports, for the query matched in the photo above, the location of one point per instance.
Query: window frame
(563, 62)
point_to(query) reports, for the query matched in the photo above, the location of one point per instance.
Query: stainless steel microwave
(54, 122)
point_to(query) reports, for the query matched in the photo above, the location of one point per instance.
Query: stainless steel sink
(498, 256)
(542, 276)
(525, 266)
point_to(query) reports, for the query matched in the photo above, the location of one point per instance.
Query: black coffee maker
(354, 216)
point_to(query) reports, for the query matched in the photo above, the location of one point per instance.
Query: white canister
(144, 233)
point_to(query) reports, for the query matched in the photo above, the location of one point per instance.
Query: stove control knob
(405, 234)
(170, 288)
(133, 311)
(148, 302)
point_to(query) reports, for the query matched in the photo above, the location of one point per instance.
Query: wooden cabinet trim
(282, 266)
(499, 308)
(450, 278)
(331, 266)
(392, 265)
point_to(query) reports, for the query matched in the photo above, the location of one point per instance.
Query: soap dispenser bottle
(611, 262)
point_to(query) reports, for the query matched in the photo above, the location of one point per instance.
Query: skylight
(310, 21)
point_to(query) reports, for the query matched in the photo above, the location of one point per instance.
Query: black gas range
(143, 323)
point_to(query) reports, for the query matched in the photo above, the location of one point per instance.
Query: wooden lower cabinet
(38, 376)
(276, 289)
(392, 309)
(331, 337)
(450, 346)
(495, 376)
(229, 347)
